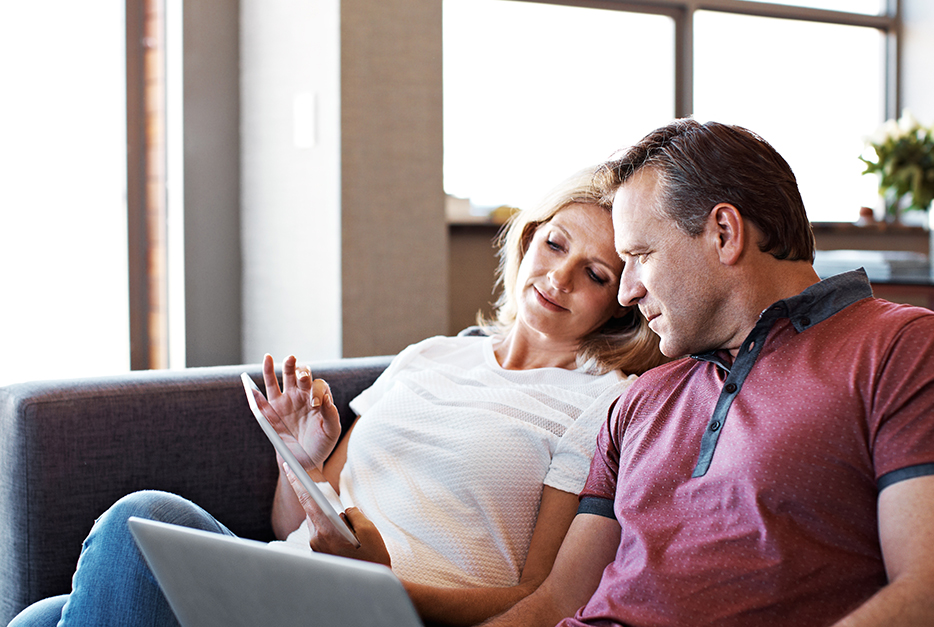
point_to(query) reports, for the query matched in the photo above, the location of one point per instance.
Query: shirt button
(714, 425)
(805, 322)
(730, 388)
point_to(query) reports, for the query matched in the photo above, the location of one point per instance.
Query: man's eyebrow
(628, 250)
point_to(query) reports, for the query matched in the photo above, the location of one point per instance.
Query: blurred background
(191, 183)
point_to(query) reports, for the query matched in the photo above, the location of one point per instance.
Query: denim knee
(44, 613)
(163, 507)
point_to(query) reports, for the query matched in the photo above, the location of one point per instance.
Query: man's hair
(701, 165)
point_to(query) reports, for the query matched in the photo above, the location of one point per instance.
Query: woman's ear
(729, 230)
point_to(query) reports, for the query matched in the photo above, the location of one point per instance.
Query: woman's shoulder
(445, 348)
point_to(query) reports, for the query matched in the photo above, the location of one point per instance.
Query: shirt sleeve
(604, 469)
(903, 405)
(572, 459)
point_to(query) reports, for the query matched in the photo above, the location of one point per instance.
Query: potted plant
(904, 161)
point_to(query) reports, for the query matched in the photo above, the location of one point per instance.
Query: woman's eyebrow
(609, 265)
(563, 230)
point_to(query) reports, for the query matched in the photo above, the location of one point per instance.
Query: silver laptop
(214, 580)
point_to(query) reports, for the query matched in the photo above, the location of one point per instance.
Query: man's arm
(590, 545)
(906, 532)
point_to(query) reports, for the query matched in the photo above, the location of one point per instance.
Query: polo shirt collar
(815, 304)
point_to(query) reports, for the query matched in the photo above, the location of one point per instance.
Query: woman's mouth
(547, 302)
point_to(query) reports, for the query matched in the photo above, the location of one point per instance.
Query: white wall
(344, 242)
(918, 59)
(290, 138)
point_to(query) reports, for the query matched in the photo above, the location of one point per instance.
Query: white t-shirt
(451, 452)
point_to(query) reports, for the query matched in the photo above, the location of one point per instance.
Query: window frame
(889, 23)
(146, 184)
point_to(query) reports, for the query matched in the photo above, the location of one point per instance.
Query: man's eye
(642, 257)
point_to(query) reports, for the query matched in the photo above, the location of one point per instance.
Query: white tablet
(294, 465)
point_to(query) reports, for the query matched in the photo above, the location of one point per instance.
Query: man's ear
(730, 231)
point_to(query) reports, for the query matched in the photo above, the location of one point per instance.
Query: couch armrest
(69, 449)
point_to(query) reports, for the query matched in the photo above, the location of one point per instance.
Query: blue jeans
(112, 584)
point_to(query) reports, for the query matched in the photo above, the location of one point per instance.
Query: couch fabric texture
(69, 449)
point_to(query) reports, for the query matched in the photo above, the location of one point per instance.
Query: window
(814, 102)
(63, 239)
(533, 91)
(869, 7)
(64, 205)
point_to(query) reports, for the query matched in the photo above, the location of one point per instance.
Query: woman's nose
(561, 277)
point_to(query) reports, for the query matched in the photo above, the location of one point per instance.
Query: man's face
(669, 275)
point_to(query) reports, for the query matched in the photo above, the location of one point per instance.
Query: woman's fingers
(269, 377)
(324, 527)
(372, 547)
(293, 377)
(288, 373)
(320, 392)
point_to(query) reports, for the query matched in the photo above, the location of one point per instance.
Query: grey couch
(68, 449)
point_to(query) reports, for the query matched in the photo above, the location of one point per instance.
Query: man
(784, 473)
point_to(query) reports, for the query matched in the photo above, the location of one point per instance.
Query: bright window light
(812, 90)
(63, 241)
(535, 92)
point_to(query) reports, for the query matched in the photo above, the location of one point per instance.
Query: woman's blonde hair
(625, 343)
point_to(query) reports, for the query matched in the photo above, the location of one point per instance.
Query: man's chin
(671, 348)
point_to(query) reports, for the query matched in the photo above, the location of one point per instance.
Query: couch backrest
(69, 449)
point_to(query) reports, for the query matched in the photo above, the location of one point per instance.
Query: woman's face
(569, 278)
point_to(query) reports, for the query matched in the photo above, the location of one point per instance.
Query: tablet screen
(294, 465)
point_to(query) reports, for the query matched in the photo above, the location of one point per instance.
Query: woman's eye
(598, 279)
(553, 245)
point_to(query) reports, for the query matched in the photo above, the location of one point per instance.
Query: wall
(290, 99)
(918, 58)
(344, 241)
(394, 238)
(212, 182)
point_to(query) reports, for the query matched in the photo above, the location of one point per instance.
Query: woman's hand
(303, 412)
(326, 539)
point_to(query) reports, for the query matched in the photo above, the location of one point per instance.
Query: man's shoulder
(662, 378)
(884, 317)
(903, 310)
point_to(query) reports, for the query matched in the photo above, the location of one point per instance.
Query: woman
(471, 450)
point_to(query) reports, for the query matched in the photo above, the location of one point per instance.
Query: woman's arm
(303, 413)
(287, 511)
(591, 544)
(469, 606)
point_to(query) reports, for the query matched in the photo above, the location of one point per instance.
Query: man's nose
(631, 289)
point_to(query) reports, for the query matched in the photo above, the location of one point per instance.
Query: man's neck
(770, 281)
